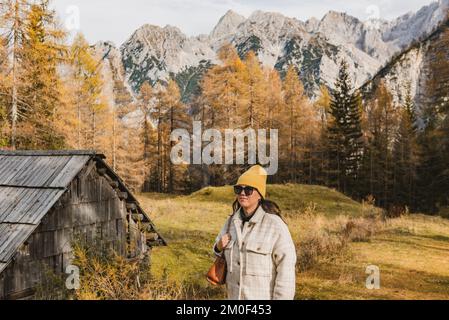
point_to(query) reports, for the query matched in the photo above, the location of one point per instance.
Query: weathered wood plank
(11, 237)
(44, 168)
(11, 166)
(70, 171)
(13, 200)
(89, 167)
(47, 202)
(51, 153)
(22, 205)
(37, 169)
(88, 207)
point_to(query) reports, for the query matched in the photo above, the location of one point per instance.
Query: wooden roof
(31, 182)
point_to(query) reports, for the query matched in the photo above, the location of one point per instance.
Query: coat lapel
(238, 228)
(237, 220)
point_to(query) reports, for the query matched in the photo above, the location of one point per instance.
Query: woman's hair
(268, 206)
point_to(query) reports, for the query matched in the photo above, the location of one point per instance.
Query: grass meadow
(336, 239)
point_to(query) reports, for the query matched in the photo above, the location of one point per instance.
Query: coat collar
(237, 220)
(258, 216)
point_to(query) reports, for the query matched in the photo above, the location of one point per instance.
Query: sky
(116, 20)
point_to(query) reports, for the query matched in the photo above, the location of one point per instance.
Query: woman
(259, 250)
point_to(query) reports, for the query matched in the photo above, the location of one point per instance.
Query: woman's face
(248, 201)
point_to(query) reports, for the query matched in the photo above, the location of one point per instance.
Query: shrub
(396, 211)
(361, 229)
(52, 286)
(319, 247)
(317, 242)
(325, 240)
(105, 275)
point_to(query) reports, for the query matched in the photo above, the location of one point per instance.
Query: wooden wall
(91, 210)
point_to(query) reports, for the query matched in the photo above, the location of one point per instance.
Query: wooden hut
(50, 198)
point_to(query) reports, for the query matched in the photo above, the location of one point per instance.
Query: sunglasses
(247, 190)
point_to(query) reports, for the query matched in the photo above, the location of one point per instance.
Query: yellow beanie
(255, 177)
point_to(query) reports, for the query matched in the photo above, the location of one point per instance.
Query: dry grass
(327, 240)
(411, 252)
(336, 239)
(105, 275)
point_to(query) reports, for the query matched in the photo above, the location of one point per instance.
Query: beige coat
(261, 258)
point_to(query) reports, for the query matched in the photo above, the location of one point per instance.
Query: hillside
(411, 252)
(423, 66)
(292, 199)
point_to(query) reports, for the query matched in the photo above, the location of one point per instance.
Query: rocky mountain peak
(312, 25)
(227, 24)
(315, 47)
(414, 26)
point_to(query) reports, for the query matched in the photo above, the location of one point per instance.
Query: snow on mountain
(312, 25)
(405, 73)
(413, 26)
(227, 25)
(112, 71)
(340, 27)
(315, 47)
(266, 33)
(422, 68)
(343, 29)
(154, 53)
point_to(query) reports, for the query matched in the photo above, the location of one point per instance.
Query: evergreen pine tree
(377, 178)
(344, 133)
(405, 157)
(431, 164)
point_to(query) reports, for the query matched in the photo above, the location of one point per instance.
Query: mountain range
(374, 49)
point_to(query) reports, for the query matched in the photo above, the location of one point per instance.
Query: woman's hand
(224, 241)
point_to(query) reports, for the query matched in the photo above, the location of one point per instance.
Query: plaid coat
(261, 258)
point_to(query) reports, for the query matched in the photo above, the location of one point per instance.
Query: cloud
(115, 20)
